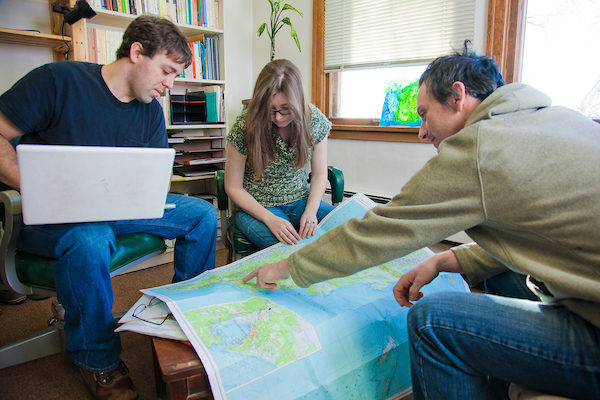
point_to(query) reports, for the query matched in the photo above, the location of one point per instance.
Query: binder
(211, 107)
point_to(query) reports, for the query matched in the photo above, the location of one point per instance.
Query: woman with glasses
(268, 147)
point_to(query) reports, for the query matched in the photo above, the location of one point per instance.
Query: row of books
(194, 106)
(191, 12)
(205, 61)
(103, 45)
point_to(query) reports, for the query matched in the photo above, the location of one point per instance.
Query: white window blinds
(371, 33)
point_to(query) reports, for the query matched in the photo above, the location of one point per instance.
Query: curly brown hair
(156, 35)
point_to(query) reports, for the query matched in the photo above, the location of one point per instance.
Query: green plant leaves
(287, 21)
(277, 24)
(261, 29)
(288, 7)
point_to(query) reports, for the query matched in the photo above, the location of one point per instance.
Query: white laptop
(67, 184)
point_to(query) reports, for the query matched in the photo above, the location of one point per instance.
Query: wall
(237, 24)
(285, 47)
(22, 14)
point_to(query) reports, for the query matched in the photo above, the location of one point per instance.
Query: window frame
(504, 44)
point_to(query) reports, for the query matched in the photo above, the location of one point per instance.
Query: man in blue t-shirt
(76, 103)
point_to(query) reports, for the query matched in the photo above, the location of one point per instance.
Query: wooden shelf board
(15, 36)
(187, 81)
(188, 127)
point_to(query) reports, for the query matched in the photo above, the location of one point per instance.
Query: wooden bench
(178, 371)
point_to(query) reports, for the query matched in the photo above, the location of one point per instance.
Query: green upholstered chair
(233, 239)
(34, 275)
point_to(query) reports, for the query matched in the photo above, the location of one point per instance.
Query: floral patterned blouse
(281, 182)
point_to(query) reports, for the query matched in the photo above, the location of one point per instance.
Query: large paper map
(340, 339)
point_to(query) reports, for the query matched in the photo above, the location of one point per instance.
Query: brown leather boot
(111, 385)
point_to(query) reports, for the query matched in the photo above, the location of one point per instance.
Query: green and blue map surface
(344, 338)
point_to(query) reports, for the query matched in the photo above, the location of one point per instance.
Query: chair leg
(43, 343)
(46, 342)
(37, 345)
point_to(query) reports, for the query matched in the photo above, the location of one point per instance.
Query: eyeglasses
(140, 308)
(282, 112)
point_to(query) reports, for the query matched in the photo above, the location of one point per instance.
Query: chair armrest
(12, 201)
(223, 205)
(336, 181)
(222, 198)
(10, 233)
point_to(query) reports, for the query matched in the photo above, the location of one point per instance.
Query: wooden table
(178, 371)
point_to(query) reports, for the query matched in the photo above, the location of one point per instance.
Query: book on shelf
(193, 146)
(205, 58)
(194, 134)
(191, 136)
(211, 107)
(164, 103)
(200, 158)
(102, 45)
(190, 12)
(196, 170)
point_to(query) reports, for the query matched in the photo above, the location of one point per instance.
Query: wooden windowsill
(377, 133)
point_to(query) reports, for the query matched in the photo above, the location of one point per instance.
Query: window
(557, 58)
(362, 91)
(505, 42)
(369, 44)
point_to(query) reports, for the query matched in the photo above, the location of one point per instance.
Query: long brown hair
(278, 76)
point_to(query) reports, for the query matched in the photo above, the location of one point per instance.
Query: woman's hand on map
(268, 273)
(308, 224)
(282, 229)
(408, 288)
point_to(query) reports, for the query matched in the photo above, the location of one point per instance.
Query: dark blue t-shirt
(68, 102)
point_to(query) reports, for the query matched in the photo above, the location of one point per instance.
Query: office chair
(234, 240)
(34, 275)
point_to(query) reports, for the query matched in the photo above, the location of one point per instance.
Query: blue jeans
(472, 346)
(258, 233)
(82, 277)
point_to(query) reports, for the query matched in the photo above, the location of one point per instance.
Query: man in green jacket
(522, 179)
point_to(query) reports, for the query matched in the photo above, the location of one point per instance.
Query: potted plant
(275, 24)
